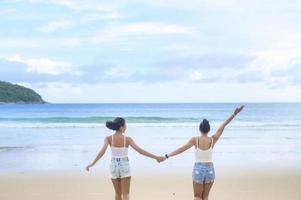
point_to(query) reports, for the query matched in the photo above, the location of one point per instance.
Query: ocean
(66, 137)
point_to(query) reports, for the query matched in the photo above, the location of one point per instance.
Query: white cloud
(140, 30)
(196, 76)
(39, 42)
(8, 11)
(107, 35)
(87, 5)
(117, 73)
(42, 65)
(93, 16)
(56, 25)
(270, 60)
(90, 10)
(61, 92)
(87, 10)
(77, 5)
(152, 28)
(58, 91)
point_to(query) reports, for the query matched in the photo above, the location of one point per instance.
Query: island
(13, 93)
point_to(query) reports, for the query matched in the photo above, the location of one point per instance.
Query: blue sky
(153, 51)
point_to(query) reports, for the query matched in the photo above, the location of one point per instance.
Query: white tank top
(119, 152)
(203, 155)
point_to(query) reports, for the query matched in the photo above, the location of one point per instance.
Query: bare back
(118, 140)
(204, 142)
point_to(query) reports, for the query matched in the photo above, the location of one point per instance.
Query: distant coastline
(17, 94)
(22, 102)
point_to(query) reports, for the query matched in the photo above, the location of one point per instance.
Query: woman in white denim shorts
(203, 173)
(120, 167)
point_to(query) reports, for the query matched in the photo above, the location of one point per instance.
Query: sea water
(66, 137)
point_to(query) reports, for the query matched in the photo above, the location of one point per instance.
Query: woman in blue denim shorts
(203, 173)
(120, 167)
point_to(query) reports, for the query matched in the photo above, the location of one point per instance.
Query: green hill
(12, 93)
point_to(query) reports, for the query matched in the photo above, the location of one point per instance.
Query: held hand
(88, 167)
(238, 109)
(160, 159)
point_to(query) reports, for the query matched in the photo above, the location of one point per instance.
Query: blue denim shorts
(203, 173)
(120, 168)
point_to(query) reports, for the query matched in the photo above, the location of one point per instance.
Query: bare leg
(207, 187)
(117, 187)
(125, 188)
(198, 191)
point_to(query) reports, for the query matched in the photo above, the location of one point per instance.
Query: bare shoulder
(213, 140)
(213, 137)
(192, 140)
(108, 139)
(128, 139)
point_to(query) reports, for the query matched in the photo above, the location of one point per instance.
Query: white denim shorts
(120, 168)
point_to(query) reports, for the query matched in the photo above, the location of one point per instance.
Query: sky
(143, 51)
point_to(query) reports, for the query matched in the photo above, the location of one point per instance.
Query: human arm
(100, 154)
(143, 152)
(221, 128)
(183, 148)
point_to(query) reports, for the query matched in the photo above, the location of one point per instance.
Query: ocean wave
(179, 124)
(89, 125)
(12, 148)
(138, 119)
(142, 121)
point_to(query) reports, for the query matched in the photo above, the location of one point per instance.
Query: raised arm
(143, 152)
(220, 130)
(100, 154)
(183, 148)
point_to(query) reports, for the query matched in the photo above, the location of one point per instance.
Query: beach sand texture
(94, 186)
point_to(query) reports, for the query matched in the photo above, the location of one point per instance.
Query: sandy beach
(245, 185)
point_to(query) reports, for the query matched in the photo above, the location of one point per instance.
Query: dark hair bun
(205, 126)
(110, 125)
(116, 124)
